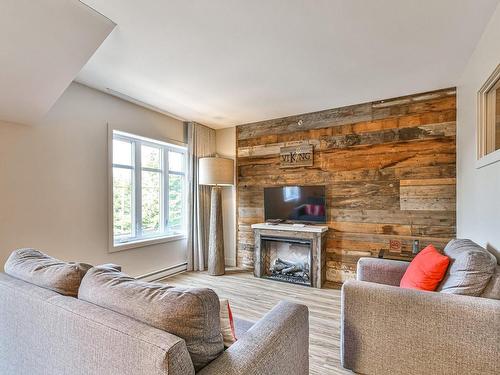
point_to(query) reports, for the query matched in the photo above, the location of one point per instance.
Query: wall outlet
(416, 246)
(395, 246)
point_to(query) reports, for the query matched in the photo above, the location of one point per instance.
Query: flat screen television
(295, 204)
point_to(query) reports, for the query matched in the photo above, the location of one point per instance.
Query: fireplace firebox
(290, 253)
(286, 259)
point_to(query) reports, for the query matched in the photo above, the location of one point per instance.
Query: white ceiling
(228, 62)
(43, 46)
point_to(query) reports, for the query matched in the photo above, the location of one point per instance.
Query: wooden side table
(383, 254)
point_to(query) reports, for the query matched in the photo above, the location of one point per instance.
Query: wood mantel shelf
(292, 227)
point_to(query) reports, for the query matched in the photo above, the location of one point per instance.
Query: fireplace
(286, 259)
(290, 253)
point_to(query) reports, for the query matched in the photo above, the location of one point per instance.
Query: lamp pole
(216, 260)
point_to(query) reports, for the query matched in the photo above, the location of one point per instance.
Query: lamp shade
(216, 171)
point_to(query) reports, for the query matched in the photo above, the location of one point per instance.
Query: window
(148, 189)
(489, 117)
(291, 193)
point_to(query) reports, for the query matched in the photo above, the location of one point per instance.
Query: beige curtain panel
(201, 140)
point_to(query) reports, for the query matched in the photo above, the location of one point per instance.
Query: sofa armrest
(381, 271)
(277, 344)
(391, 330)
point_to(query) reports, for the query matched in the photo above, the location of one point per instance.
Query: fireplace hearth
(288, 253)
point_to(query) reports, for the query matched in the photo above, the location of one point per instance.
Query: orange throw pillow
(426, 270)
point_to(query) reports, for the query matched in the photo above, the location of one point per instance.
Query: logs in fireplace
(286, 259)
(297, 272)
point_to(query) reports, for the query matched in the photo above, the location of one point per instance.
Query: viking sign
(296, 156)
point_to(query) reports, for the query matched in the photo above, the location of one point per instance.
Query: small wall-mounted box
(416, 246)
(395, 246)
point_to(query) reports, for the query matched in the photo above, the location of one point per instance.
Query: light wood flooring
(251, 298)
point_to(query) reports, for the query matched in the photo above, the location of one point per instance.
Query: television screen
(295, 204)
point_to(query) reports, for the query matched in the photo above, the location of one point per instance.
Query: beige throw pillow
(227, 323)
(37, 268)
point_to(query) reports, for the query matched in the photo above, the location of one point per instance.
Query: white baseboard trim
(165, 272)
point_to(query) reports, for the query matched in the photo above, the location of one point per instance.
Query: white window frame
(138, 240)
(486, 153)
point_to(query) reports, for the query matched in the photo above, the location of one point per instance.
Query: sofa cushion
(426, 270)
(37, 268)
(492, 289)
(189, 313)
(471, 268)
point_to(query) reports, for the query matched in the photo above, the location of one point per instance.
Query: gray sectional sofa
(386, 329)
(45, 332)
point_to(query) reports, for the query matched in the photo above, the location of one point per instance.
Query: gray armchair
(390, 330)
(277, 344)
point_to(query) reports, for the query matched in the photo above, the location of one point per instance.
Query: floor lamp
(216, 172)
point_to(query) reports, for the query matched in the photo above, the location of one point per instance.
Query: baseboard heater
(164, 272)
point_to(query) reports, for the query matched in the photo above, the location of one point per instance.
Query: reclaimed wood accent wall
(388, 167)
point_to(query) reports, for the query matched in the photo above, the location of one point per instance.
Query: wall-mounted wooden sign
(296, 156)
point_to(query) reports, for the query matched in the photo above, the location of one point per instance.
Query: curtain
(201, 141)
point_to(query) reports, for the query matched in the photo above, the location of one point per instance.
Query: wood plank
(440, 196)
(397, 229)
(420, 119)
(429, 181)
(433, 230)
(437, 204)
(389, 168)
(273, 149)
(446, 129)
(437, 94)
(421, 164)
(340, 271)
(436, 105)
(322, 119)
(345, 115)
(362, 244)
(403, 154)
(427, 191)
(437, 170)
(384, 216)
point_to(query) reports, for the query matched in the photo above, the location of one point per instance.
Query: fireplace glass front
(286, 259)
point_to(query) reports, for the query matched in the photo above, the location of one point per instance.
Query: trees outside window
(149, 189)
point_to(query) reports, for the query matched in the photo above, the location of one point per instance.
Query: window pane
(175, 161)
(122, 152)
(151, 203)
(176, 186)
(122, 203)
(151, 157)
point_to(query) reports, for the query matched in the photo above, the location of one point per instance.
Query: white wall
(478, 190)
(53, 181)
(226, 147)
